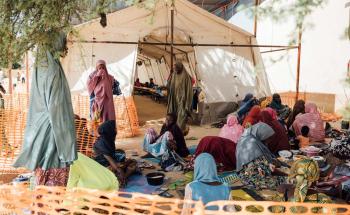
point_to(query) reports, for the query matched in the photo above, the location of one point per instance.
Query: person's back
(304, 139)
(206, 185)
(208, 193)
(151, 83)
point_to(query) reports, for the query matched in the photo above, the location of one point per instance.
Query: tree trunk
(9, 72)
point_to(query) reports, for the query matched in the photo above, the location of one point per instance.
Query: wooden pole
(256, 17)
(27, 73)
(298, 65)
(172, 37)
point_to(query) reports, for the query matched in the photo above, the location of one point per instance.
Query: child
(303, 138)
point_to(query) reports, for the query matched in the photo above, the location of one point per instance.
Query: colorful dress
(303, 173)
(258, 175)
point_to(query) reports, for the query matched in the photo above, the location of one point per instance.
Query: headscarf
(92, 84)
(100, 83)
(252, 117)
(205, 168)
(50, 138)
(304, 172)
(276, 102)
(232, 130)
(105, 143)
(178, 135)
(299, 107)
(279, 141)
(223, 150)
(311, 119)
(245, 106)
(265, 103)
(247, 97)
(100, 62)
(272, 113)
(250, 146)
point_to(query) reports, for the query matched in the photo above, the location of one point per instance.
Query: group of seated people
(248, 144)
(149, 84)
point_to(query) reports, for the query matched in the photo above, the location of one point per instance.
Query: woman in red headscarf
(100, 85)
(279, 140)
(253, 117)
(223, 150)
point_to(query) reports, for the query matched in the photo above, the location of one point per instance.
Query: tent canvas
(225, 74)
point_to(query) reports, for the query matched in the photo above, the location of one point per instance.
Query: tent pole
(298, 64)
(252, 52)
(172, 37)
(276, 50)
(256, 17)
(186, 44)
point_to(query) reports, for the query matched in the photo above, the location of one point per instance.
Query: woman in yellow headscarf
(303, 174)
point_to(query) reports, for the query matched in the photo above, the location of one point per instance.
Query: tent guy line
(184, 44)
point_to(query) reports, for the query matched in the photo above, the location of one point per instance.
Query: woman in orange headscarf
(252, 117)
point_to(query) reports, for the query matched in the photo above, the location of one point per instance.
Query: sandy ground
(152, 114)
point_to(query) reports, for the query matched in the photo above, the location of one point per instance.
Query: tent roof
(124, 21)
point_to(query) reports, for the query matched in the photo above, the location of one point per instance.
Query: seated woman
(254, 157)
(222, 149)
(252, 118)
(206, 186)
(170, 137)
(279, 140)
(303, 174)
(137, 83)
(107, 155)
(247, 103)
(283, 111)
(298, 108)
(311, 119)
(232, 130)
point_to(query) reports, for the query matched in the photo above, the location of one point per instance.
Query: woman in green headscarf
(49, 146)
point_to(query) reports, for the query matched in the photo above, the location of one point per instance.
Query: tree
(26, 24)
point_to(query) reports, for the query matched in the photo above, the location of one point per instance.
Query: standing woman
(180, 95)
(100, 88)
(49, 142)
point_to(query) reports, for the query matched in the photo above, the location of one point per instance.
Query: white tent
(225, 73)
